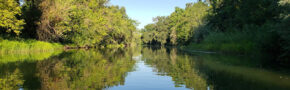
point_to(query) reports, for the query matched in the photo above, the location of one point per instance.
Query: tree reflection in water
(216, 71)
(84, 70)
(105, 68)
(181, 68)
(79, 69)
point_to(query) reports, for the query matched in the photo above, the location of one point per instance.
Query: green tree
(230, 14)
(9, 17)
(85, 23)
(179, 27)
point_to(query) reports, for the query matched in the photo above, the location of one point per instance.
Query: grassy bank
(28, 56)
(13, 46)
(240, 42)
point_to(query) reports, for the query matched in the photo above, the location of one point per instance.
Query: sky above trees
(144, 10)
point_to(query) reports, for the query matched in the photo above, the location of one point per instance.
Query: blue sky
(144, 10)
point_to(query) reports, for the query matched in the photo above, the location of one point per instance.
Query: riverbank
(21, 46)
(29, 45)
(246, 42)
(27, 56)
(249, 43)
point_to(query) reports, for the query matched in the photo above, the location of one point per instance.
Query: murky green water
(138, 69)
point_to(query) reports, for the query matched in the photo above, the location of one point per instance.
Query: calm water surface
(138, 69)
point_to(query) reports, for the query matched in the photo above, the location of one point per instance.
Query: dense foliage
(178, 28)
(85, 22)
(24, 46)
(9, 17)
(239, 26)
(233, 26)
(77, 22)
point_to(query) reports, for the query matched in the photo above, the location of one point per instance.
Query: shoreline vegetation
(26, 46)
(40, 25)
(242, 43)
(27, 56)
(244, 27)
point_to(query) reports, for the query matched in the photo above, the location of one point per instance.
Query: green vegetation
(85, 23)
(239, 42)
(24, 46)
(9, 12)
(178, 28)
(231, 26)
(27, 56)
(33, 34)
(80, 23)
(243, 27)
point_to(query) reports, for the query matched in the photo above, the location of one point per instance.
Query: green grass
(225, 42)
(28, 56)
(14, 46)
(239, 42)
(115, 46)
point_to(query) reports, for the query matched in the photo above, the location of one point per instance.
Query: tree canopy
(79, 22)
(9, 17)
(178, 28)
(242, 26)
(88, 22)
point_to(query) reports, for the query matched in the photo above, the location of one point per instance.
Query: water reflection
(216, 72)
(19, 69)
(138, 68)
(182, 68)
(243, 76)
(84, 70)
(80, 69)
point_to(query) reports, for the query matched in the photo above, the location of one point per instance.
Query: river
(140, 68)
